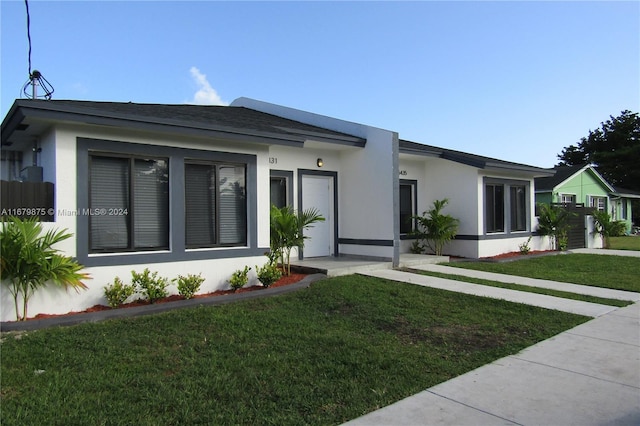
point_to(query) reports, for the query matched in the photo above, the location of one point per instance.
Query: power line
(35, 77)
(26, 4)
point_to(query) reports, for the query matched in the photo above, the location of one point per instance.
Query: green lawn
(625, 243)
(617, 272)
(323, 355)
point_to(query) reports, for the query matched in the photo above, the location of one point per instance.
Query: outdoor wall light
(319, 162)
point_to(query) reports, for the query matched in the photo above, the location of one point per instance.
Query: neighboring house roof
(625, 193)
(213, 121)
(563, 174)
(408, 147)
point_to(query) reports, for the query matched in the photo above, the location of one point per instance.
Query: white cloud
(206, 95)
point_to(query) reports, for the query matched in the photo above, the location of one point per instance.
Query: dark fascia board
(414, 148)
(345, 140)
(623, 193)
(537, 171)
(46, 111)
(10, 123)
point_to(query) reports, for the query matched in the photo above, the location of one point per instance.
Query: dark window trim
(507, 183)
(217, 165)
(177, 250)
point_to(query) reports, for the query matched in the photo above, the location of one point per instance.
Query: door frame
(334, 176)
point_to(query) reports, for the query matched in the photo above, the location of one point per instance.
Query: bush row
(149, 286)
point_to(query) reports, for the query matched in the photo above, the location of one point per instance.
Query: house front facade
(185, 189)
(584, 185)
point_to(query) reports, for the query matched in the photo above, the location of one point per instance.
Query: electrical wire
(35, 77)
(26, 4)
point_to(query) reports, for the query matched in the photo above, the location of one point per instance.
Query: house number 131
(273, 160)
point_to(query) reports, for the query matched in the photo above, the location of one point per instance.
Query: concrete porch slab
(346, 265)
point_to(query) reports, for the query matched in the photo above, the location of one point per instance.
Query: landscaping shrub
(150, 285)
(30, 262)
(239, 278)
(188, 285)
(268, 274)
(118, 292)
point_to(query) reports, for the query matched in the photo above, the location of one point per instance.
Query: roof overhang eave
(535, 171)
(15, 117)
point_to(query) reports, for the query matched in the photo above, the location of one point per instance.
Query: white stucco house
(187, 189)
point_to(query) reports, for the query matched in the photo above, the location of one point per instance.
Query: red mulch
(285, 280)
(517, 254)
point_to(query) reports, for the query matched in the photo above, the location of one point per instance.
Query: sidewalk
(541, 300)
(589, 375)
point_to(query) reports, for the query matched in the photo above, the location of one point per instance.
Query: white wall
(361, 173)
(55, 300)
(61, 144)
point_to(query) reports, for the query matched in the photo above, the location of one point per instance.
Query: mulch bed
(285, 280)
(518, 254)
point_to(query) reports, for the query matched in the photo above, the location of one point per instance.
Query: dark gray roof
(562, 173)
(408, 147)
(210, 120)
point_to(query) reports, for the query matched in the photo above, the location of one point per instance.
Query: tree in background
(614, 149)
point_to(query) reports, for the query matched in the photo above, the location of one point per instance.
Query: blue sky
(512, 80)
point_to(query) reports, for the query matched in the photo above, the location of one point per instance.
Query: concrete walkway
(541, 300)
(534, 282)
(589, 375)
(608, 252)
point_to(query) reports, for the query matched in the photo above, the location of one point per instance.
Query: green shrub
(118, 292)
(189, 285)
(435, 229)
(150, 285)
(268, 274)
(416, 247)
(607, 227)
(29, 261)
(524, 247)
(239, 278)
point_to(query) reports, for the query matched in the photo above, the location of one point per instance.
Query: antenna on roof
(35, 78)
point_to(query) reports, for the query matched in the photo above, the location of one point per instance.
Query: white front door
(317, 192)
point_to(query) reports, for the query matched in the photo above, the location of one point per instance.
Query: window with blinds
(216, 205)
(129, 203)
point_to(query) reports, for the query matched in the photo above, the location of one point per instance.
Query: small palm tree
(554, 222)
(287, 228)
(607, 228)
(29, 261)
(436, 228)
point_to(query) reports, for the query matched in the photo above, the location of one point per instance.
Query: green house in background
(583, 184)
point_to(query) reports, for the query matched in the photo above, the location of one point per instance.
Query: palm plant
(287, 228)
(607, 228)
(436, 228)
(553, 221)
(29, 261)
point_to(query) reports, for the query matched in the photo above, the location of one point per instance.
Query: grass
(625, 243)
(530, 289)
(616, 272)
(323, 355)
